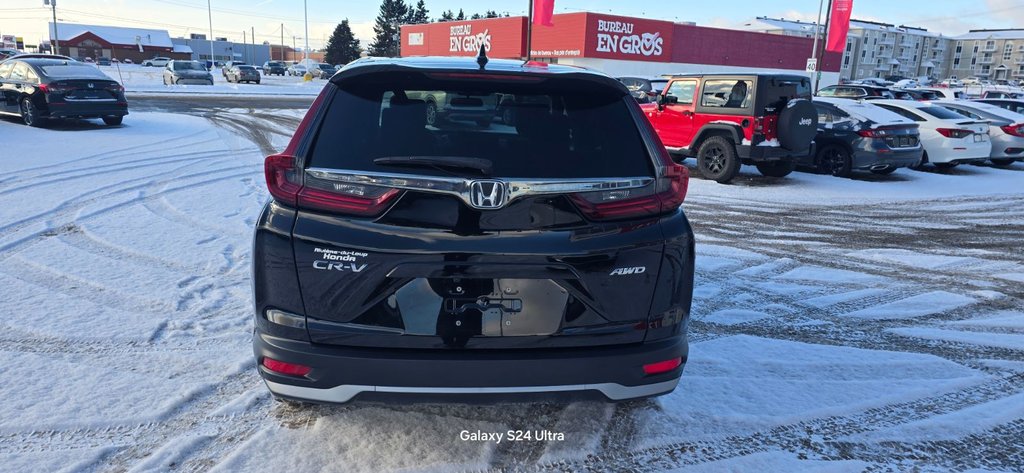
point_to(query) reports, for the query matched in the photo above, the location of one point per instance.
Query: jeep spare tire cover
(798, 123)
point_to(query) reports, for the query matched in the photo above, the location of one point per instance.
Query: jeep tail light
(288, 369)
(662, 366)
(1015, 130)
(954, 132)
(665, 194)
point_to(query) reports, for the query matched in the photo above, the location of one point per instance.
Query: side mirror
(664, 100)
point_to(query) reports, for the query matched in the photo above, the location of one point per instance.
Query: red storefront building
(620, 46)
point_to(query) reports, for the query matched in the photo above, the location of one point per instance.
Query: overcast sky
(29, 18)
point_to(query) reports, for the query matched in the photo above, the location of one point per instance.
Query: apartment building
(989, 54)
(875, 49)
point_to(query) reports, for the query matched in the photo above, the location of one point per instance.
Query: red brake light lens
(352, 199)
(283, 178)
(662, 366)
(665, 194)
(1015, 130)
(954, 132)
(289, 369)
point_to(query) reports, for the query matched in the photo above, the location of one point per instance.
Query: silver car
(187, 72)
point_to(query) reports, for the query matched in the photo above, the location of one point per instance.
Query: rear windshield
(943, 113)
(73, 72)
(551, 132)
(247, 68)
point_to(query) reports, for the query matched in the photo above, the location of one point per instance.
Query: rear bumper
(86, 109)
(771, 153)
(867, 159)
(341, 374)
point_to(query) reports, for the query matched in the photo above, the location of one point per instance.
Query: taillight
(342, 197)
(115, 87)
(55, 88)
(286, 184)
(954, 132)
(663, 195)
(1015, 130)
(876, 132)
(290, 369)
(283, 179)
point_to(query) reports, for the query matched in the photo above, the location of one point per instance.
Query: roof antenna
(481, 58)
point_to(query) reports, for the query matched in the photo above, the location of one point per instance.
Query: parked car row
(772, 122)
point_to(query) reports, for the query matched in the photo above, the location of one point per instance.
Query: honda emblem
(91, 85)
(487, 194)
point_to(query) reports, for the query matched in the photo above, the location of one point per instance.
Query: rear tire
(717, 159)
(1002, 162)
(113, 120)
(945, 166)
(884, 172)
(30, 114)
(776, 168)
(835, 160)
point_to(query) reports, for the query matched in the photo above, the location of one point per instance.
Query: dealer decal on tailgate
(339, 260)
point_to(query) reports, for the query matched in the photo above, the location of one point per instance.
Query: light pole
(56, 40)
(814, 49)
(209, 12)
(305, 14)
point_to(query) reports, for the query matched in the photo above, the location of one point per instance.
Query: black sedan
(41, 89)
(855, 135)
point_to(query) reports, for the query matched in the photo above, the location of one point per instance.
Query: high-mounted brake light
(289, 369)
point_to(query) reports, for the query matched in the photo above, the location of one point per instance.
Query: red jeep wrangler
(730, 119)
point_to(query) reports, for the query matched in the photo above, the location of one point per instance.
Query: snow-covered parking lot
(873, 324)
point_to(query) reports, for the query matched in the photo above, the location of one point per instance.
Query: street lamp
(56, 39)
(305, 14)
(209, 12)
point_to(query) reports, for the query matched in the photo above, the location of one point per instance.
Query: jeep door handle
(687, 113)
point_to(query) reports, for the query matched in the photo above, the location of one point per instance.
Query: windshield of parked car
(188, 66)
(549, 133)
(246, 68)
(275, 64)
(326, 66)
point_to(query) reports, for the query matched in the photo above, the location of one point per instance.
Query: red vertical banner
(839, 25)
(543, 10)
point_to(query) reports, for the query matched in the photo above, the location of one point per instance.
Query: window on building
(1007, 51)
(990, 45)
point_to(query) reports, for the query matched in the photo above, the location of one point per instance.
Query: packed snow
(141, 80)
(837, 325)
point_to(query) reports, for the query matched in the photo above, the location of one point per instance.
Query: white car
(296, 70)
(1006, 128)
(906, 84)
(943, 92)
(949, 138)
(951, 83)
(156, 62)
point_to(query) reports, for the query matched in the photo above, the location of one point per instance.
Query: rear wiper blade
(480, 165)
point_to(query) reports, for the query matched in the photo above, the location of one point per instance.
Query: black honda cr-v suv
(403, 259)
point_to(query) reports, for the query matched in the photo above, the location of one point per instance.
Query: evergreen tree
(461, 16)
(386, 40)
(476, 16)
(418, 14)
(447, 16)
(491, 14)
(342, 47)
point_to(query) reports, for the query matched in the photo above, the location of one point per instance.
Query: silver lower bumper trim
(346, 392)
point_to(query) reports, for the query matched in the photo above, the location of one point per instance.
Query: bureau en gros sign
(462, 39)
(619, 37)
